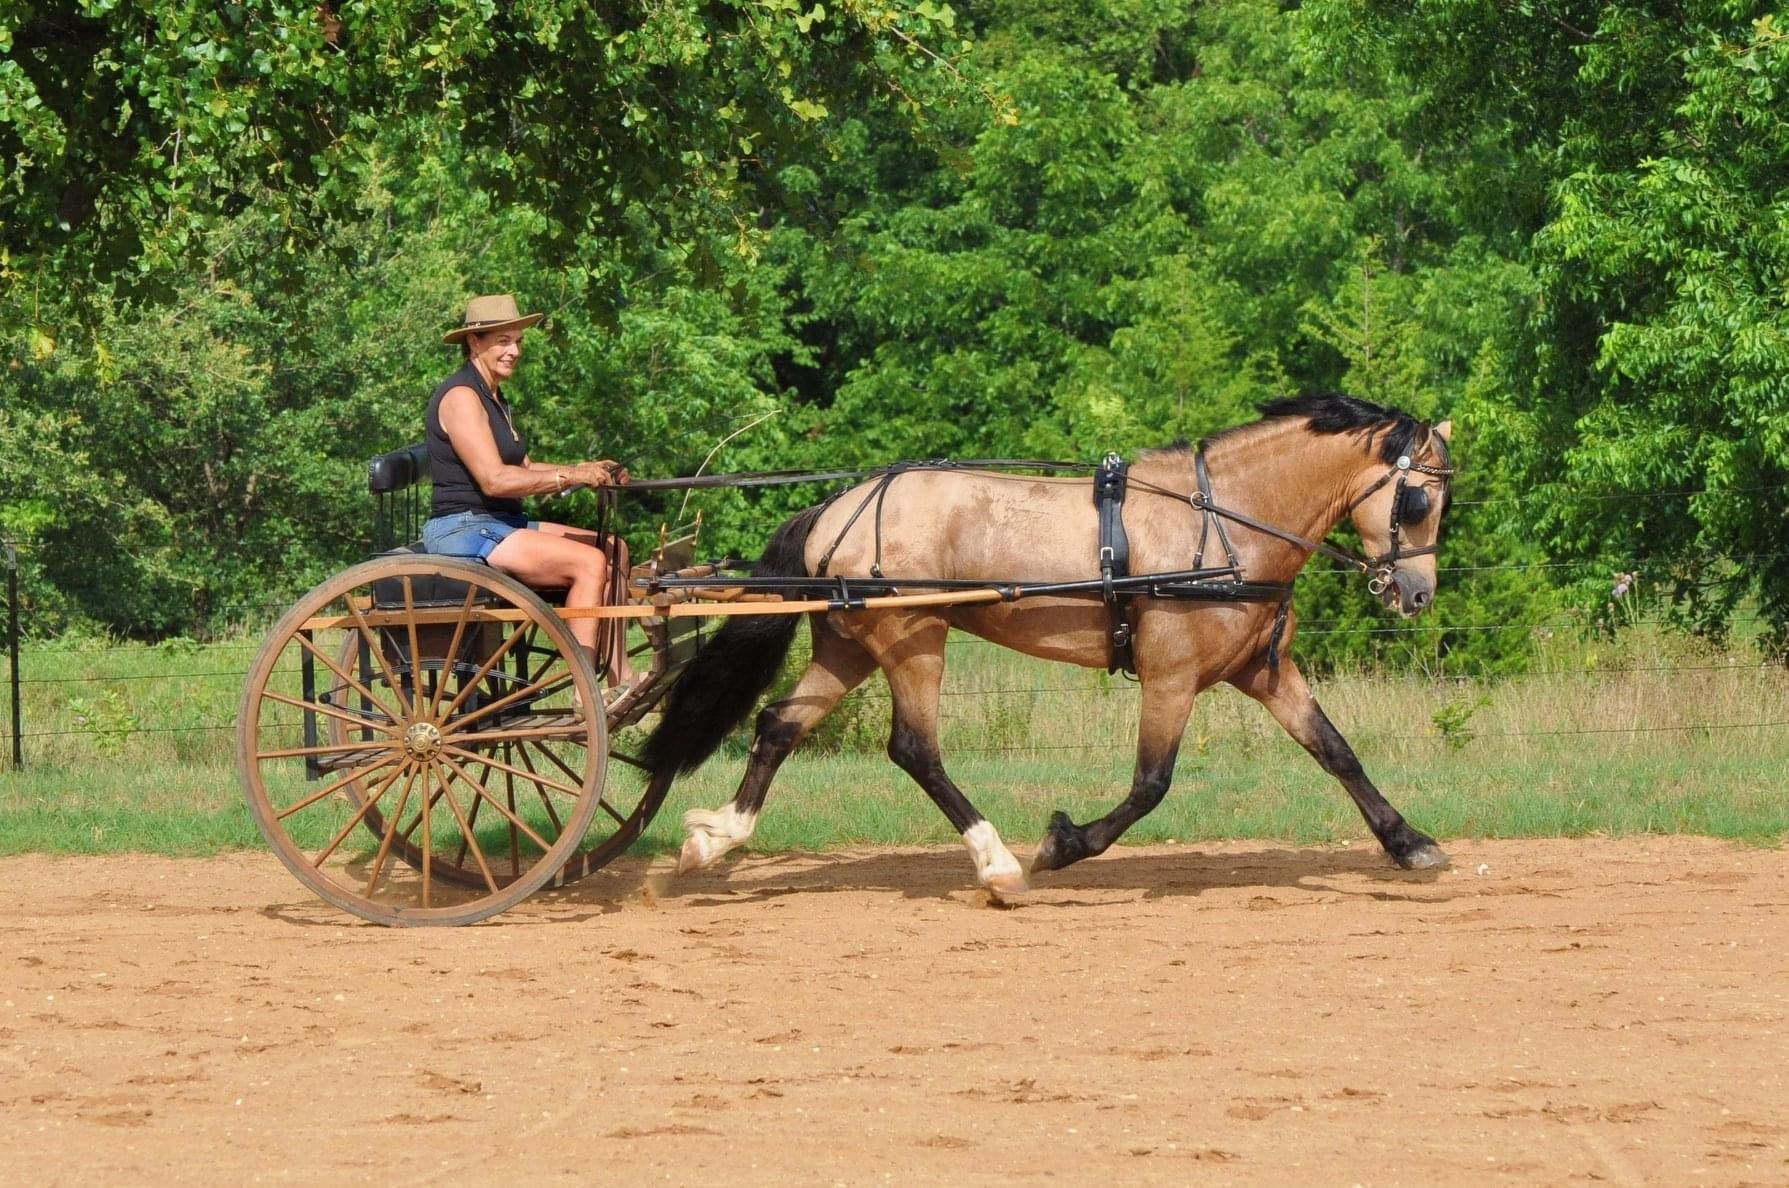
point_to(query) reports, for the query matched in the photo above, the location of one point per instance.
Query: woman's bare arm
(463, 419)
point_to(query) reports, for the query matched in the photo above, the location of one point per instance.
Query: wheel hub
(422, 740)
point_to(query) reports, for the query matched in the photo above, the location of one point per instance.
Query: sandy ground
(1613, 1011)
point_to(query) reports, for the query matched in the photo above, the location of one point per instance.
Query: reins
(780, 478)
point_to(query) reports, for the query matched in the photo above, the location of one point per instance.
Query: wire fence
(178, 684)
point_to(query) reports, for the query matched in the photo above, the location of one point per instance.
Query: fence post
(12, 648)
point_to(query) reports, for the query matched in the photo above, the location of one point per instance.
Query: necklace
(502, 405)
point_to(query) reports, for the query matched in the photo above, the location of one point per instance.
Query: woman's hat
(486, 314)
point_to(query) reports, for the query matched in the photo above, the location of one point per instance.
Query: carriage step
(559, 724)
(330, 761)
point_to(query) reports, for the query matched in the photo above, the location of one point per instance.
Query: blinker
(1413, 505)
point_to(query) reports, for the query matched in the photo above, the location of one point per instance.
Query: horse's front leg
(1288, 698)
(911, 650)
(1167, 702)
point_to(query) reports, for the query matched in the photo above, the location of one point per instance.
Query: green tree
(1648, 408)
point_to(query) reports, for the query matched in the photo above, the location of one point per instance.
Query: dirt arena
(1547, 1012)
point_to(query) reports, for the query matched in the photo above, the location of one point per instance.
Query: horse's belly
(1074, 630)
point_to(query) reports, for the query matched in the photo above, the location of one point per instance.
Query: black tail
(731, 671)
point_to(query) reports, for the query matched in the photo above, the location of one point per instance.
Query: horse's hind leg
(1166, 703)
(839, 666)
(1288, 698)
(914, 661)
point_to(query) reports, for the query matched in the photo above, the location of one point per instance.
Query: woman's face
(498, 352)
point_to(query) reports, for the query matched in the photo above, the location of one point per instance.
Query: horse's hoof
(1064, 843)
(695, 855)
(1425, 857)
(1007, 889)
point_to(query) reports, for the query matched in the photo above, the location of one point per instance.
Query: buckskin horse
(1263, 494)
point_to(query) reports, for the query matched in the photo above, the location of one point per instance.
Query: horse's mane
(1327, 412)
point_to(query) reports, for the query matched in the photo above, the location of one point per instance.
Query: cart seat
(437, 589)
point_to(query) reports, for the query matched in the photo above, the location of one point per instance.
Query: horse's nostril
(1420, 599)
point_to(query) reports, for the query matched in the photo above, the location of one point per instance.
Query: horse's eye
(1413, 505)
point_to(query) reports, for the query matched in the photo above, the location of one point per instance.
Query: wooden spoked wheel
(414, 741)
(625, 808)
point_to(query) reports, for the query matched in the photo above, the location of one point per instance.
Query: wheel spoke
(330, 664)
(357, 818)
(472, 821)
(356, 774)
(563, 733)
(357, 721)
(330, 749)
(415, 648)
(453, 649)
(453, 805)
(428, 811)
(491, 661)
(542, 688)
(374, 645)
(485, 792)
(556, 761)
(515, 840)
(527, 775)
(522, 754)
(391, 830)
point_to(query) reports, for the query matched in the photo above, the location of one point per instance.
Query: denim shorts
(471, 534)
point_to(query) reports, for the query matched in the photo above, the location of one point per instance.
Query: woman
(481, 469)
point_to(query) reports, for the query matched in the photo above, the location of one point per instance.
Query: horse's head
(1398, 515)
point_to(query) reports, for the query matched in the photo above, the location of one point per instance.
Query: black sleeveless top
(455, 488)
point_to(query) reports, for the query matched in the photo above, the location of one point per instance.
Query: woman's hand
(599, 474)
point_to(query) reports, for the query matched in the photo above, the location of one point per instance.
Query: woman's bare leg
(620, 668)
(542, 559)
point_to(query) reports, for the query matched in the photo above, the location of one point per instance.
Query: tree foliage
(1656, 361)
(844, 233)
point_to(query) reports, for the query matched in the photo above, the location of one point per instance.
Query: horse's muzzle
(1408, 593)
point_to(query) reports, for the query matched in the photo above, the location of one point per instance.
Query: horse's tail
(732, 669)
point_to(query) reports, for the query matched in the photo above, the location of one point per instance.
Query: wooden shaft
(677, 610)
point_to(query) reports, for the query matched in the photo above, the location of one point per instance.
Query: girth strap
(1114, 558)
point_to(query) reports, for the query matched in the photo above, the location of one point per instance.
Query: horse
(1272, 489)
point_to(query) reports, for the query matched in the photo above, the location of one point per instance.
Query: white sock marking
(992, 858)
(712, 832)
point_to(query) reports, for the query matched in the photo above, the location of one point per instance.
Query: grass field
(128, 748)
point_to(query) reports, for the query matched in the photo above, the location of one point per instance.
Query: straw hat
(486, 314)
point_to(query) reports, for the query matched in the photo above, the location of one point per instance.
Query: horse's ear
(1445, 431)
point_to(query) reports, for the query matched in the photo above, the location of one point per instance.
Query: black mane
(1328, 412)
(1331, 412)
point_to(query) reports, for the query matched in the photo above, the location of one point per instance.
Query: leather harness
(1115, 585)
(1115, 558)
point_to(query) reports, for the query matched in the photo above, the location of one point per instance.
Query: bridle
(1403, 507)
(1404, 504)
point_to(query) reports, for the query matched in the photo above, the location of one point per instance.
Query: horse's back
(960, 525)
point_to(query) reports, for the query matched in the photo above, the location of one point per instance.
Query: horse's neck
(1283, 475)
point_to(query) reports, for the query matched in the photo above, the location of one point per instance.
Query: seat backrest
(398, 469)
(395, 480)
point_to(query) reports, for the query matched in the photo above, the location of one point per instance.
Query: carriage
(423, 741)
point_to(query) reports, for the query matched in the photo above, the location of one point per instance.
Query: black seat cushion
(435, 589)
